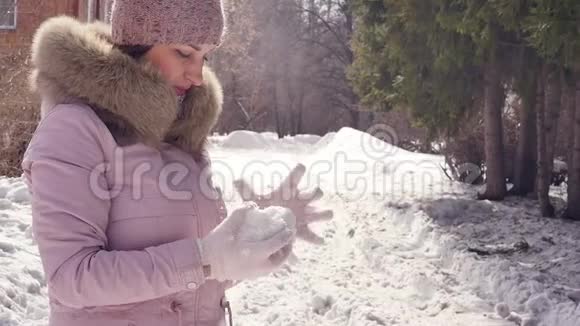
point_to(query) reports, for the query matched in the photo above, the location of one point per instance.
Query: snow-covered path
(373, 274)
(379, 265)
(395, 253)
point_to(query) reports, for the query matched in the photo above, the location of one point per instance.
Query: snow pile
(358, 147)
(269, 135)
(4, 187)
(19, 193)
(14, 189)
(306, 139)
(250, 140)
(23, 295)
(244, 139)
(324, 141)
(531, 286)
(401, 257)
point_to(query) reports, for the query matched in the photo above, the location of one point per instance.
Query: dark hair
(134, 51)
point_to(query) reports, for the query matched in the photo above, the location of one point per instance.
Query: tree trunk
(573, 209)
(355, 118)
(300, 114)
(277, 117)
(525, 164)
(569, 103)
(543, 180)
(494, 151)
(553, 108)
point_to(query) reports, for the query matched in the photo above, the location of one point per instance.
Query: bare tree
(284, 66)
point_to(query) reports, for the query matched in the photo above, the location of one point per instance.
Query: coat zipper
(225, 304)
(196, 295)
(220, 206)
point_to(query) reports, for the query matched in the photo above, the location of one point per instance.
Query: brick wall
(30, 13)
(18, 107)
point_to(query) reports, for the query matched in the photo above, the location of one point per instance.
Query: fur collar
(73, 61)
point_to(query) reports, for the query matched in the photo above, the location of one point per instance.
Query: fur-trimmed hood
(74, 61)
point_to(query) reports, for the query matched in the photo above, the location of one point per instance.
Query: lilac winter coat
(120, 185)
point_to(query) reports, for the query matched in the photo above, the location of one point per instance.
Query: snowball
(502, 310)
(264, 224)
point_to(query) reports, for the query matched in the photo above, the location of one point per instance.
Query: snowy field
(398, 252)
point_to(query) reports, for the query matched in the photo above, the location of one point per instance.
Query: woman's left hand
(287, 195)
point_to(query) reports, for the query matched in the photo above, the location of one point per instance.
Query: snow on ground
(395, 254)
(244, 139)
(22, 285)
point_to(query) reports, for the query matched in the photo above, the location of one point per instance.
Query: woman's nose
(195, 75)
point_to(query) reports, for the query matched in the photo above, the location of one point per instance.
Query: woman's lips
(180, 91)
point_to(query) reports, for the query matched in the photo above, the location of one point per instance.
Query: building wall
(19, 108)
(19, 111)
(30, 14)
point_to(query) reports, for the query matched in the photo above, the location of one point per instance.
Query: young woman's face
(181, 65)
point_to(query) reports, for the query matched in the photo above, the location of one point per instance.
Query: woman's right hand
(232, 258)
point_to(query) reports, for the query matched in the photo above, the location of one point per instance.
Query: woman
(129, 227)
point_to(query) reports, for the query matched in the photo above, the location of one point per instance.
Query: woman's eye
(183, 54)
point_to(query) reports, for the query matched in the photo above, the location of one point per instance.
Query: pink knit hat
(149, 22)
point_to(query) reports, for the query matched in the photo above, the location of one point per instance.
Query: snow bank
(535, 284)
(367, 147)
(13, 190)
(244, 139)
(19, 193)
(306, 139)
(4, 187)
(324, 141)
(250, 140)
(22, 284)
(356, 143)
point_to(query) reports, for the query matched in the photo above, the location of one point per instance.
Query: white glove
(231, 257)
